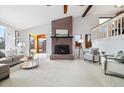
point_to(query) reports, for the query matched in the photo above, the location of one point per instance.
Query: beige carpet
(61, 73)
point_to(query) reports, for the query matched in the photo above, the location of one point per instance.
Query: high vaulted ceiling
(28, 16)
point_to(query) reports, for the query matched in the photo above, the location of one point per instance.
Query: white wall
(110, 45)
(44, 29)
(83, 26)
(80, 26)
(9, 36)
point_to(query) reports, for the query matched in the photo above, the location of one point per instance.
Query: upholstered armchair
(91, 54)
(114, 66)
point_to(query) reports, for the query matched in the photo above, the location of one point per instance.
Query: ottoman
(4, 71)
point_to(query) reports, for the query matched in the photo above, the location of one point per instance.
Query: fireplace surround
(62, 41)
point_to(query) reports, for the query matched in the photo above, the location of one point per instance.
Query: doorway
(41, 43)
(37, 43)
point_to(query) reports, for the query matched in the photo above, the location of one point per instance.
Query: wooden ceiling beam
(87, 10)
(65, 9)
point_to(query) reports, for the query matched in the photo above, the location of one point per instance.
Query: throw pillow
(121, 57)
(119, 53)
(2, 54)
(94, 51)
(10, 53)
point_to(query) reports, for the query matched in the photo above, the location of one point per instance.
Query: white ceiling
(105, 10)
(27, 16)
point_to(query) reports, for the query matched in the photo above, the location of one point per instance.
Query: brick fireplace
(62, 44)
(62, 49)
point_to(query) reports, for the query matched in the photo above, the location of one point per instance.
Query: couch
(11, 61)
(91, 54)
(4, 71)
(9, 57)
(7, 60)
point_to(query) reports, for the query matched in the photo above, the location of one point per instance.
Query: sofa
(4, 71)
(9, 57)
(11, 61)
(91, 54)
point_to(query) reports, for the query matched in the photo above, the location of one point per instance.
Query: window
(104, 19)
(41, 45)
(2, 37)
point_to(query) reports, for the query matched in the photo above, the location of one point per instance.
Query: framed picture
(17, 34)
(17, 37)
(17, 41)
(62, 32)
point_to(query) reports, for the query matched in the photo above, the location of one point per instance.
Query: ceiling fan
(65, 8)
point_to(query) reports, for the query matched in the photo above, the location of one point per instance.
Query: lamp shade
(33, 50)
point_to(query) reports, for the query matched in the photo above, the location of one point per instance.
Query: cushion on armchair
(121, 57)
(119, 53)
(94, 51)
(10, 53)
(86, 51)
(2, 54)
(91, 54)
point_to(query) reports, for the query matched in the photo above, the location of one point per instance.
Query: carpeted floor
(64, 73)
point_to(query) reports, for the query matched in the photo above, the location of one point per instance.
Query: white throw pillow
(121, 57)
(10, 53)
(94, 51)
(119, 53)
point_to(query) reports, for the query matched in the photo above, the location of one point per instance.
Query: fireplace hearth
(62, 49)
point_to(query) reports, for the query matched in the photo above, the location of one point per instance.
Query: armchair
(91, 54)
(114, 66)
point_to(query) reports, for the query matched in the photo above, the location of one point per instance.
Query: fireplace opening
(62, 49)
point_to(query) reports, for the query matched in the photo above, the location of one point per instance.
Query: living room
(44, 48)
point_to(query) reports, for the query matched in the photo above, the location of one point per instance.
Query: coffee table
(29, 64)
